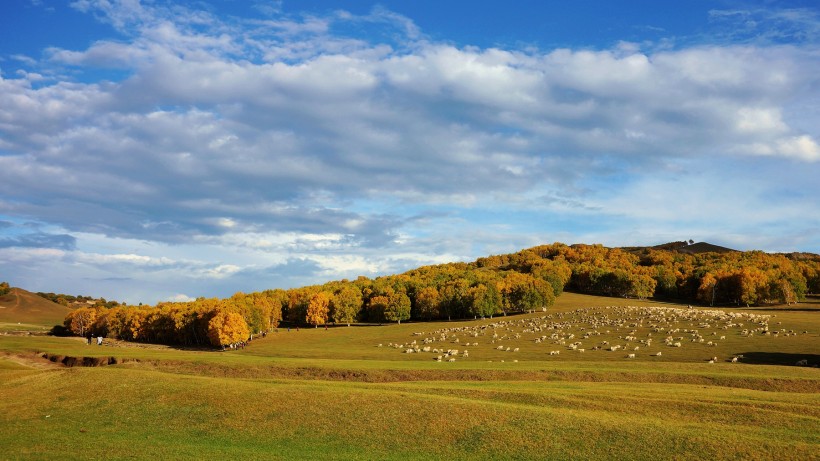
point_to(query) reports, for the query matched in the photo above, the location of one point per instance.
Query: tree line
(525, 281)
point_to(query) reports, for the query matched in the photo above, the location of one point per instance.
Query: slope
(21, 306)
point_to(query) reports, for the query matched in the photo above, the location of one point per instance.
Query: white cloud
(259, 142)
(179, 298)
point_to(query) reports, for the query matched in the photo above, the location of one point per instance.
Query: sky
(156, 150)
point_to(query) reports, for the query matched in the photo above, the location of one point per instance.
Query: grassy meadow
(338, 394)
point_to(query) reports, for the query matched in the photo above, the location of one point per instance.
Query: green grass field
(335, 394)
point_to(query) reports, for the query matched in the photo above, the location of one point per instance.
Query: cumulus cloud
(299, 137)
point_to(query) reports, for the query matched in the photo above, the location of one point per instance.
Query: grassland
(335, 394)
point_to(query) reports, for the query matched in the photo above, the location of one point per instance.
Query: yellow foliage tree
(318, 308)
(227, 328)
(80, 320)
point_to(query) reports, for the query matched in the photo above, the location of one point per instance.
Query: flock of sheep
(630, 331)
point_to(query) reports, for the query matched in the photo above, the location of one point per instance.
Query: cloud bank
(200, 155)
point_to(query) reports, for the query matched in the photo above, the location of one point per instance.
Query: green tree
(346, 304)
(398, 308)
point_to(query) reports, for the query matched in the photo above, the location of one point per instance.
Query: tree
(377, 307)
(227, 328)
(346, 303)
(427, 302)
(318, 308)
(485, 300)
(398, 308)
(81, 320)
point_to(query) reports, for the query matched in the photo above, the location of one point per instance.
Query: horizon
(166, 151)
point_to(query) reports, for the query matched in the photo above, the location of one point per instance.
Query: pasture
(357, 393)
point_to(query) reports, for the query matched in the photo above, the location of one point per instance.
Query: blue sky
(156, 150)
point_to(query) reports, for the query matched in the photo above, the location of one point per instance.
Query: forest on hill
(525, 281)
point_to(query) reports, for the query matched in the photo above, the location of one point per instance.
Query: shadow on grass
(781, 358)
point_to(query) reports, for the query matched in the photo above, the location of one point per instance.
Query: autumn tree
(227, 328)
(427, 302)
(318, 309)
(376, 308)
(80, 320)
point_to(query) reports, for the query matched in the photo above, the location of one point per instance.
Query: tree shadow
(780, 358)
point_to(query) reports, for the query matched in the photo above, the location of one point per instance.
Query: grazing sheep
(802, 363)
(659, 354)
(630, 356)
(515, 350)
(451, 359)
(734, 359)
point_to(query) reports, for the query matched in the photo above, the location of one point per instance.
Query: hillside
(683, 247)
(25, 307)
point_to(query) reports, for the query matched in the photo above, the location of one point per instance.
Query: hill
(21, 306)
(684, 247)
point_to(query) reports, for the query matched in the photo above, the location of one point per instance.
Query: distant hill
(693, 248)
(684, 247)
(21, 306)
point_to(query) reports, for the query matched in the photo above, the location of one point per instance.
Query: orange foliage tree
(318, 308)
(227, 328)
(80, 320)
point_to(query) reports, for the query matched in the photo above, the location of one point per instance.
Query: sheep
(515, 350)
(734, 359)
(630, 356)
(555, 352)
(802, 363)
(451, 359)
(659, 354)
